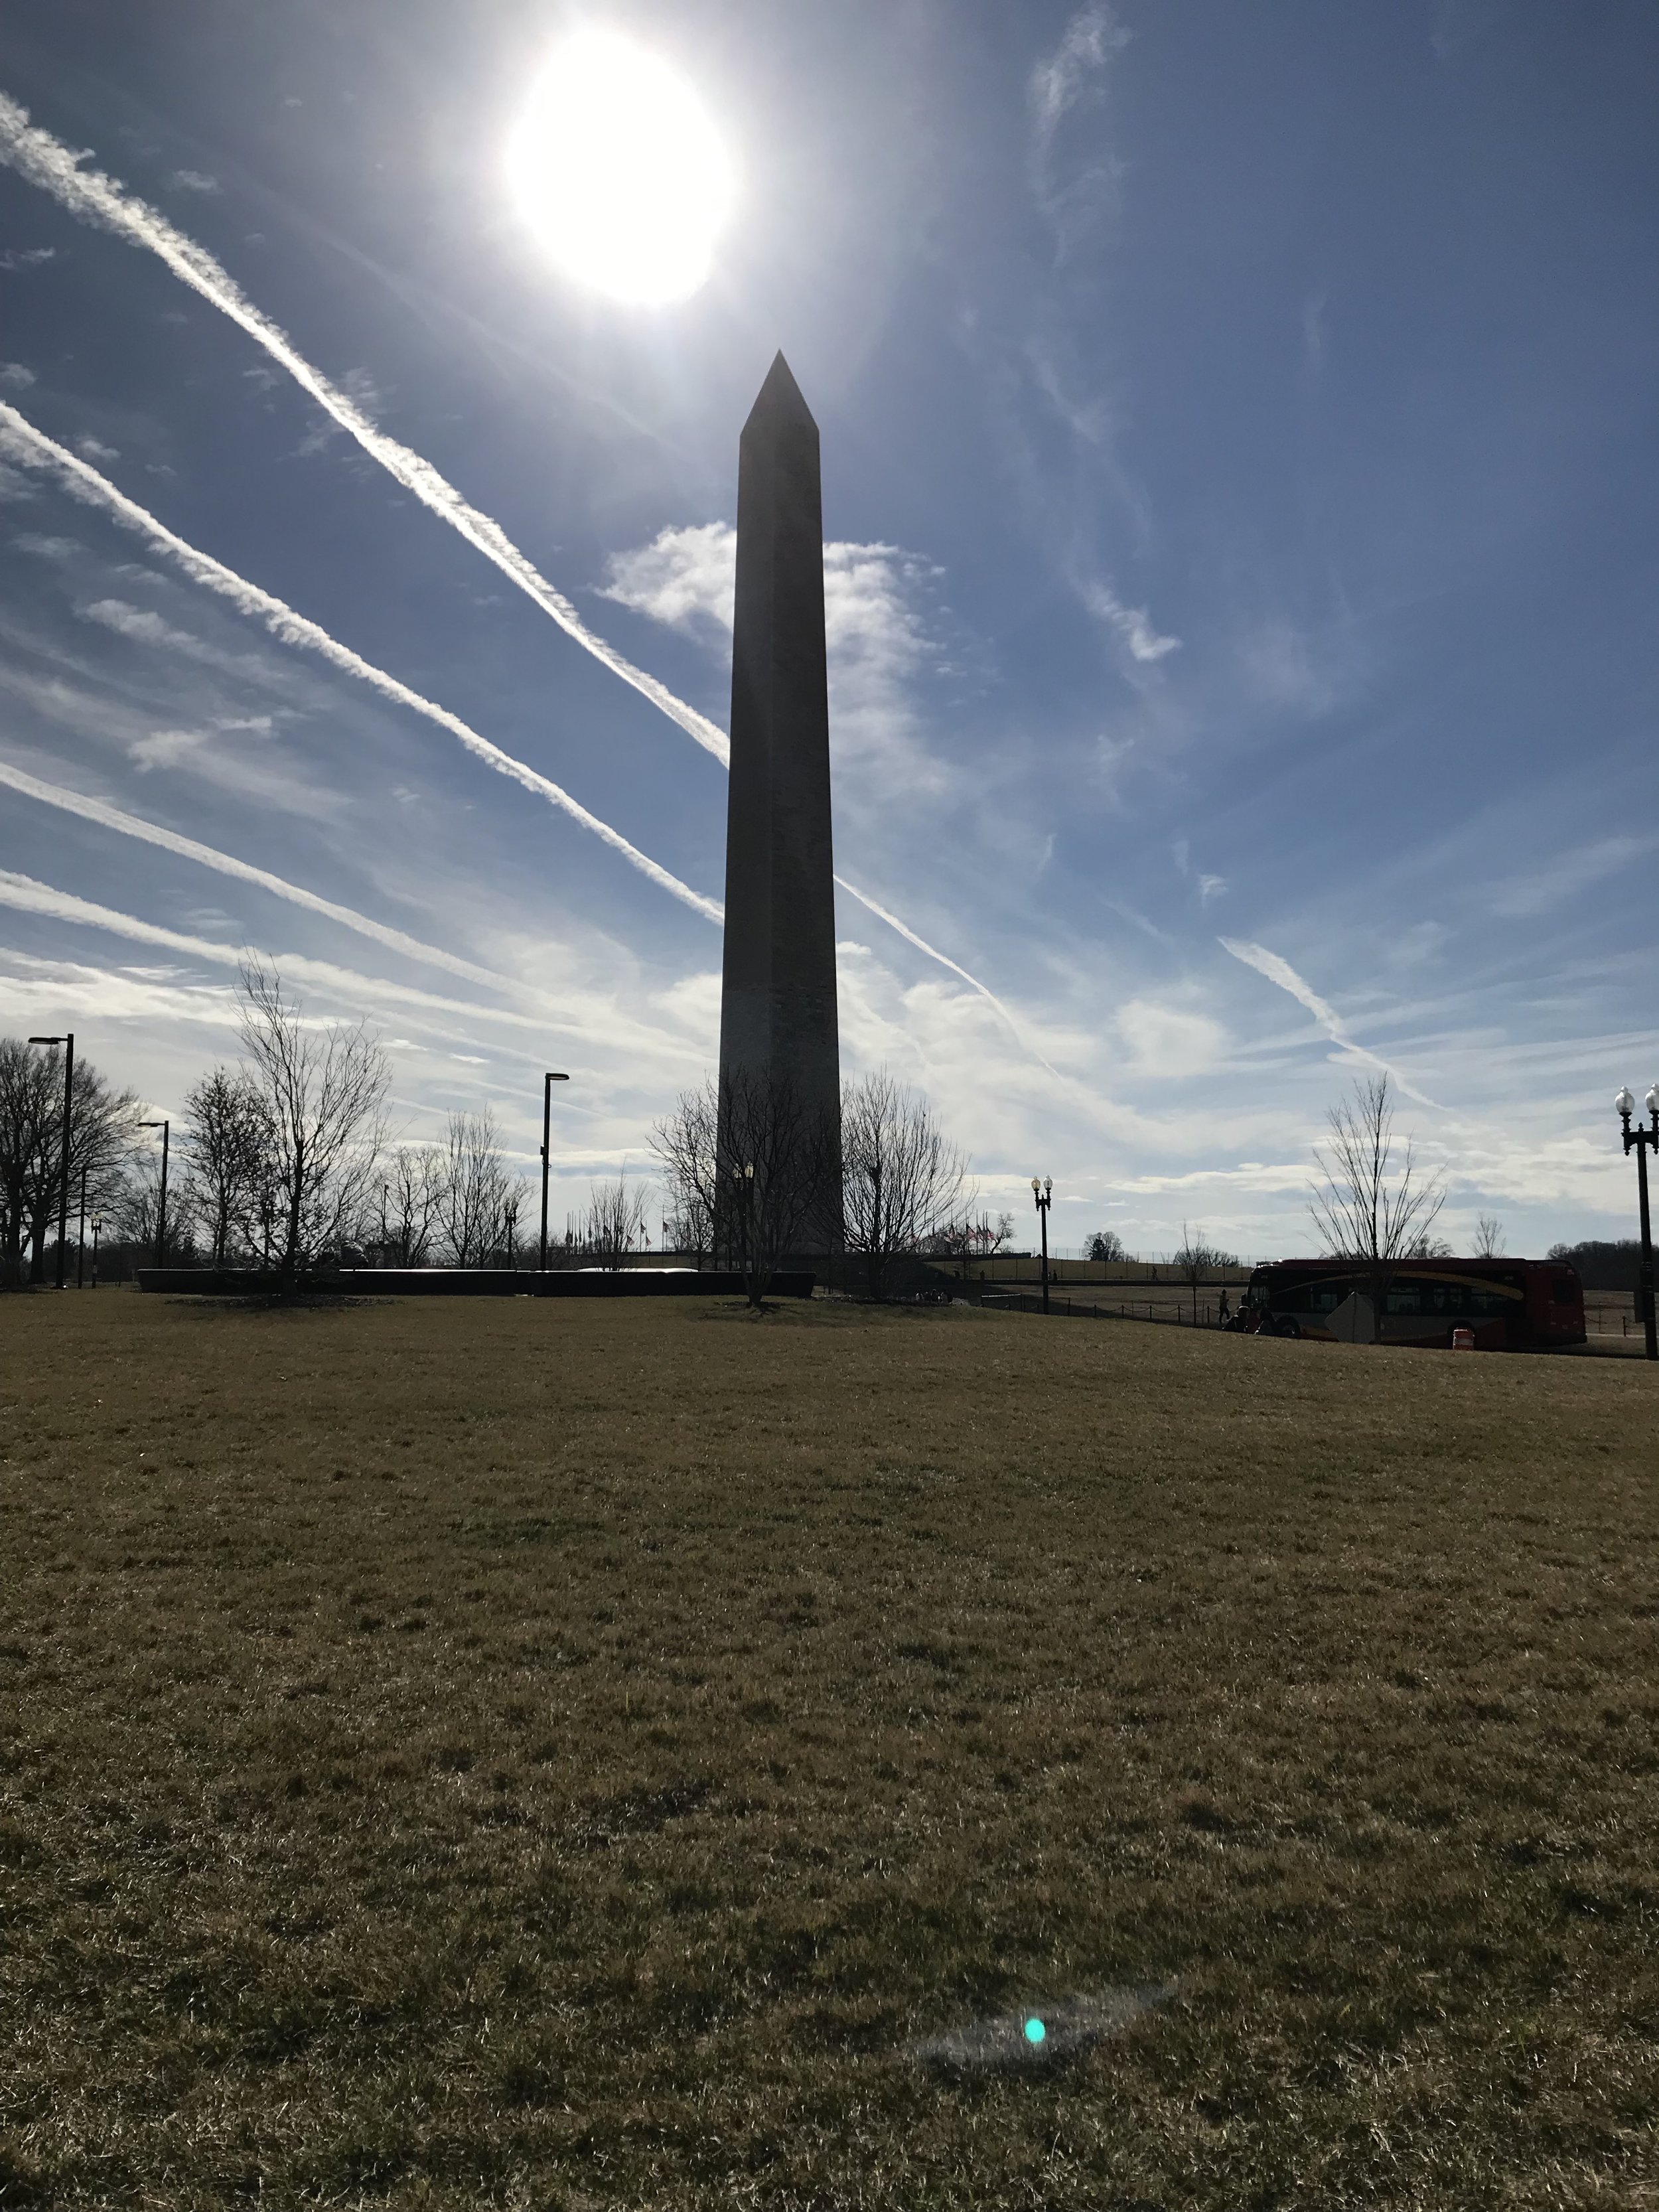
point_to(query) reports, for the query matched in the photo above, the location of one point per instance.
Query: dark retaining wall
(476, 1282)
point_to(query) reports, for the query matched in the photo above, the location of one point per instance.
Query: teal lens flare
(1035, 2031)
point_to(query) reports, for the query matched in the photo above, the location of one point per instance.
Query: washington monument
(779, 1032)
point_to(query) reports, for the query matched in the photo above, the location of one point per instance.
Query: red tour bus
(1510, 1306)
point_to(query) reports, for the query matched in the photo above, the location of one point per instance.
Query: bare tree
(1105, 1244)
(969, 1239)
(472, 1190)
(409, 1191)
(901, 1176)
(29, 1082)
(1198, 1261)
(1489, 1238)
(687, 1144)
(752, 1173)
(322, 1090)
(101, 1136)
(1373, 1207)
(615, 1221)
(779, 1179)
(134, 1212)
(225, 1147)
(516, 1193)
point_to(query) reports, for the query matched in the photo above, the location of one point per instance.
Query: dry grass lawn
(550, 1754)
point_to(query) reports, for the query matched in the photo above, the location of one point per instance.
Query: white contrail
(99, 200)
(95, 198)
(29, 897)
(933, 953)
(21, 442)
(170, 840)
(457, 1019)
(1278, 970)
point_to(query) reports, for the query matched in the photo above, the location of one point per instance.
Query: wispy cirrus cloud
(1568, 875)
(95, 198)
(1133, 625)
(1074, 195)
(21, 441)
(108, 817)
(27, 895)
(145, 627)
(1278, 970)
(98, 199)
(1073, 71)
(875, 633)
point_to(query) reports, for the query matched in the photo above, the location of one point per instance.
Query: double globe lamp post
(1042, 1190)
(1642, 1142)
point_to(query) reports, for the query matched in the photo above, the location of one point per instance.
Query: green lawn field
(552, 1754)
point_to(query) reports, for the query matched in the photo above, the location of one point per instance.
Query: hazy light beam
(95, 198)
(21, 442)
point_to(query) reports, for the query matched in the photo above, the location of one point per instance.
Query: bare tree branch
(687, 1144)
(101, 1137)
(322, 1090)
(225, 1153)
(902, 1178)
(615, 1221)
(1373, 1207)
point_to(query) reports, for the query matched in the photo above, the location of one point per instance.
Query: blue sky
(1240, 470)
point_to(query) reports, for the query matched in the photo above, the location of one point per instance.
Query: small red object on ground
(1462, 1339)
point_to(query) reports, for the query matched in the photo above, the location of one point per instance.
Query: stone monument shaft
(778, 1020)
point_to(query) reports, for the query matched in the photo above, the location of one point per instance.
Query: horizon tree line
(285, 1158)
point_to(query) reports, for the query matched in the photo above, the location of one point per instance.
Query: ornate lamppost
(551, 1076)
(165, 1127)
(1042, 1191)
(744, 1178)
(1642, 1142)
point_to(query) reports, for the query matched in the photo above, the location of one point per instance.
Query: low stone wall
(475, 1282)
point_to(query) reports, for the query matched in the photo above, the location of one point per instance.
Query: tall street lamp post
(1643, 1141)
(165, 1127)
(745, 1177)
(1043, 1192)
(68, 1042)
(548, 1081)
(97, 1224)
(81, 1235)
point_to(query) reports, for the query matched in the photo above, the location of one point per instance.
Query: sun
(616, 167)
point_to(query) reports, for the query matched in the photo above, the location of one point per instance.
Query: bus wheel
(1288, 1326)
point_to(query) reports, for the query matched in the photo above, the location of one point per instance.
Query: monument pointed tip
(780, 395)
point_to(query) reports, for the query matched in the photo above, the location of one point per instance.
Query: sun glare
(618, 168)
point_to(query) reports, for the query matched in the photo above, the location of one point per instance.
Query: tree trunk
(291, 1255)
